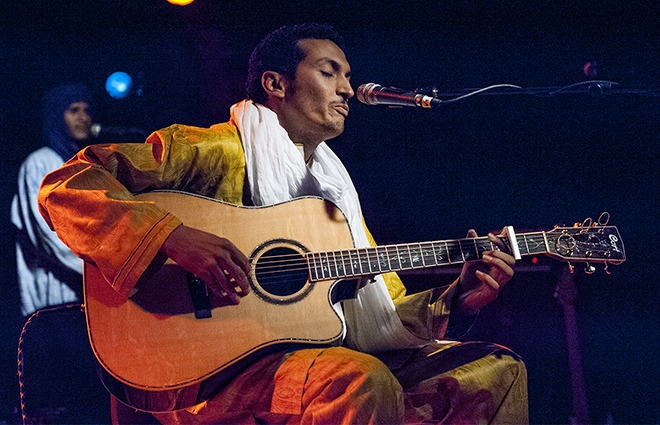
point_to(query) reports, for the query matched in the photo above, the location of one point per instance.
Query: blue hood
(55, 131)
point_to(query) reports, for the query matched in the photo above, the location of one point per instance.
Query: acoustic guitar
(170, 345)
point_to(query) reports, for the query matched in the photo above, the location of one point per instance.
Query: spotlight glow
(180, 2)
(118, 85)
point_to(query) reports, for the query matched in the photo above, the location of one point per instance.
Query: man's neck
(307, 156)
(299, 138)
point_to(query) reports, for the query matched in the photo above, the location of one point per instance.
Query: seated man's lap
(470, 382)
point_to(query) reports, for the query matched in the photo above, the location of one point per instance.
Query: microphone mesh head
(364, 93)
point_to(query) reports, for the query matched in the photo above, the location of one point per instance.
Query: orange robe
(89, 203)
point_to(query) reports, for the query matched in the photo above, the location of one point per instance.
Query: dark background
(484, 162)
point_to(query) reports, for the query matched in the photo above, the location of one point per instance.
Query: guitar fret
(467, 249)
(355, 262)
(416, 260)
(404, 257)
(428, 255)
(346, 260)
(337, 261)
(471, 252)
(521, 243)
(393, 253)
(331, 262)
(339, 264)
(364, 260)
(524, 243)
(372, 256)
(422, 259)
(311, 265)
(395, 261)
(363, 257)
(324, 265)
(482, 245)
(545, 241)
(329, 255)
(383, 260)
(441, 256)
(448, 252)
(455, 252)
(319, 266)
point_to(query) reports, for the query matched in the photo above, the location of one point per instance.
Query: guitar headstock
(587, 242)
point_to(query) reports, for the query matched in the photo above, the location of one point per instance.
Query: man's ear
(273, 83)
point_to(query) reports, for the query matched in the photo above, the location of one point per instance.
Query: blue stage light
(119, 85)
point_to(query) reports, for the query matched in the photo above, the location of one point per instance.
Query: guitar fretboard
(389, 258)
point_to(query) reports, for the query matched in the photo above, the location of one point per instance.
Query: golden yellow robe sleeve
(96, 216)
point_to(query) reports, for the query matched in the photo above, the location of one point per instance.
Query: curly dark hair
(279, 52)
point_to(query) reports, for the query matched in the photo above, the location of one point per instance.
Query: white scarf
(277, 173)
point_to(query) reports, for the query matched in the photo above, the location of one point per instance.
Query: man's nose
(345, 89)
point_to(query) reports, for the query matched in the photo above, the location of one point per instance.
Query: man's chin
(335, 129)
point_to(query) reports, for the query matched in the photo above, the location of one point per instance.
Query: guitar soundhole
(279, 272)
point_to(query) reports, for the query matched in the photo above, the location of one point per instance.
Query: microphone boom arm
(374, 94)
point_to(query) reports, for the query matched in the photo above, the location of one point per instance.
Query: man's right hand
(216, 260)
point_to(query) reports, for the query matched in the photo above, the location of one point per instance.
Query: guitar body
(158, 356)
(171, 345)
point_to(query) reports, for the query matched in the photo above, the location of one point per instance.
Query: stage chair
(57, 370)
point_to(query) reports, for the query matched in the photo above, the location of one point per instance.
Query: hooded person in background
(48, 272)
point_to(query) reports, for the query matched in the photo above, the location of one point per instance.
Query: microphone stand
(591, 87)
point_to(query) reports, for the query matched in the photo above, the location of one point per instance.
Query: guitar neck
(391, 258)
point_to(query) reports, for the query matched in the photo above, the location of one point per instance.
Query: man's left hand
(481, 281)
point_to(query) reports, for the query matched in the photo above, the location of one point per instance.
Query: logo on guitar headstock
(613, 240)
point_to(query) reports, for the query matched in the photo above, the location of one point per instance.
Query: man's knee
(362, 383)
(509, 364)
(361, 372)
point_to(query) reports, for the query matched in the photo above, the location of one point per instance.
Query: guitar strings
(333, 264)
(341, 263)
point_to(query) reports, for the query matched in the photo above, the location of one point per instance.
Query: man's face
(78, 120)
(315, 103)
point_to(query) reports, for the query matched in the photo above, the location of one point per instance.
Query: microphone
(374, 94)
(98, 131)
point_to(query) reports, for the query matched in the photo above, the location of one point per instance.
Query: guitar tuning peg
(604, 218)
(571, 267)
(606, 269)
(577, 225)
(589, 269)
(558, 225)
